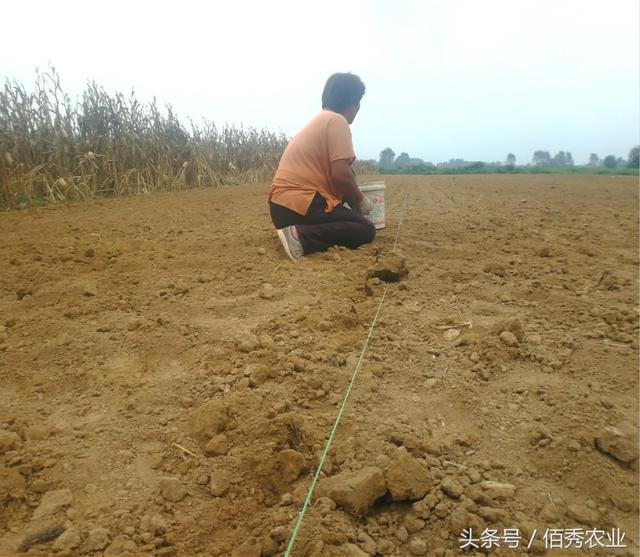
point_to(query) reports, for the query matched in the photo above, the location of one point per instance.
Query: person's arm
(343, 179)
(344, 183)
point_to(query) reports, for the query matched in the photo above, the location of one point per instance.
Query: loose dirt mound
(169, 378)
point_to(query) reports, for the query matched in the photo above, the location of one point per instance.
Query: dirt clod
(508, 338)
(497, 490)
(451, 334)
(8, 440)
(418, 546)
(172, 489)
(216, 446)
(451, 487)
(619, 442)
(133, 324)
(208, 420)
(97, 539)
(407, 479)
(513, 326)
(68, 540)
(248, 342)
(354, 491)
(120, 545)
(260, 374)
(154, 524)
(219, 484)
(495, 269)
(267, 291)
(290, 464)
(52, 502)
(89, 290)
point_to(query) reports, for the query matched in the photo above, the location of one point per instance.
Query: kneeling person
(314, 177)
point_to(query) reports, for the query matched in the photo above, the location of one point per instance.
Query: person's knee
(367, 233)
(371, 232)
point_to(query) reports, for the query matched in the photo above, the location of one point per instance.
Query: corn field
(53, 149)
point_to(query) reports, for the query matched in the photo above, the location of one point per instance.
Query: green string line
(335, 427)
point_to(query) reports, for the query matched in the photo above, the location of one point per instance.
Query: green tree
(569, 159)
(511, 159)
(387, 157)
(560, 159)
(593, 160)
(634, 157)
(541, 158)
(610, 161)
(402, 161)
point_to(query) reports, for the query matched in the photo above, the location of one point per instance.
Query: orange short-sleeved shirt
(305, 166)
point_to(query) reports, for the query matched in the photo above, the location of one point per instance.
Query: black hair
(341, 91)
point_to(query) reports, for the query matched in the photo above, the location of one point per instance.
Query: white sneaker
(292, 246)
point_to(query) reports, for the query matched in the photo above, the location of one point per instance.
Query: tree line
(544, 159)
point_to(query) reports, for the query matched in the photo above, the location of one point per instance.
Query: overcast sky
(445, 79)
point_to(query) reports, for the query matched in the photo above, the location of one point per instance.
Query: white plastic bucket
(374, 192)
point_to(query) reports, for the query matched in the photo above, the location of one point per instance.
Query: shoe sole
(285, 245)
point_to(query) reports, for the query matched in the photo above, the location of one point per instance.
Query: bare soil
(169, 379)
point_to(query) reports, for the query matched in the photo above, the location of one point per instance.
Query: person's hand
(364, 207)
